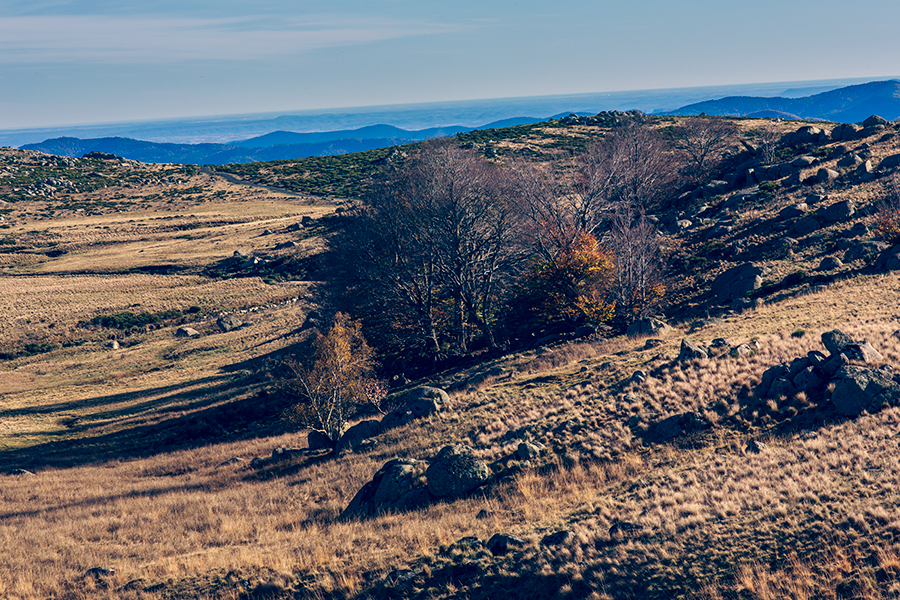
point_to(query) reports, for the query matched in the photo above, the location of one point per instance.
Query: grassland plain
(144, 483)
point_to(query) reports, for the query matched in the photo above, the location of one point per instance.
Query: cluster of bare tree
(451, 250)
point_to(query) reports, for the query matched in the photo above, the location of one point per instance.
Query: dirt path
(238, 181)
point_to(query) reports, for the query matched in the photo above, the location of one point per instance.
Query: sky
(71, 62)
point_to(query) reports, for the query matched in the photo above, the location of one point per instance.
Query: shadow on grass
(219, 409)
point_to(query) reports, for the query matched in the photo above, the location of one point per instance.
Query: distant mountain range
(278, 145)
(850, 104)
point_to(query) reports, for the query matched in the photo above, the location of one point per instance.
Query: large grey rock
(184, 332)
(318, 440)
(678, 425)
(228, 323)
(862, 352)
(859, 388)
(825, 176)
(845, 132)
(395, 487)
(835, 340)
(864, 250)
(837, 211)
(808, 134)
(808, 380)
(456, 471)
(768, 377)
(420, 402)
(648, 326)
(890, 162)
(829, 263)
(793, 211)
(360, 432)
(806, 225)
(801, 162)
(889, 259)
(691, 351)
(737, 282)
(502, 543)
(850, 160)
(875, 120)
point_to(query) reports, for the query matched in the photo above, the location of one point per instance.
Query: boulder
(890, 162)
(737, 282)
(420, 402)
(782, 387)
(558, 539)
(756, 447)
(865, 170)
(456, 471)
(528, 451)
(825, 176)
(875, 120)
(889, 259)
(801, 162)
(677, 425)
(357, 434)
(112, 344)
(691, 351)
(502, 543)
(741, 350)
(865, 250)
(318, 440)
(395, 487)
(793, 211)
(845, 132)
(228, 323)
(862, 352)
(808, 134)
(183, 332)
(859, 388)
(768, 377)
(835, 340)
(830, 263)
(850, 160)
(805, 226)
(836, 212)
(648, 326)
(808, 380)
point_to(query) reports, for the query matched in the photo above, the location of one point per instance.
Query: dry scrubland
(142, 454)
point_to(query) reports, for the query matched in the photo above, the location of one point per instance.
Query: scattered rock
(889, 259)
(395, 487)
(793, 211)
(558, 539)
(875, 120)
(755, 447)
(837, 211)
(356, 435)
(829, 263)
(112, 344)
(319, 440)
(183, 332)
(420, 402)
(502, 543)
(850, 160)
(98, 572)
(890, 162)
(737, 282)
(825, 176)
(678, 425)
(228, 323)
(231, 461)
(528, 451)
(691, 351)
(805, 226)
(624, 529)
(835, 341)
(456, 471)
(860, 388)
(865, 250)
(20, 472)
(741, 350)
(649, 326)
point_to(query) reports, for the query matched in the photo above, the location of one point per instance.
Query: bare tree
(703, 140)
(638, 280)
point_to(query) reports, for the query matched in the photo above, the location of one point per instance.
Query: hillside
(850, 104)
(142, 460)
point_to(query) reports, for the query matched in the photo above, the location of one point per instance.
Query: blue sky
(68, 62)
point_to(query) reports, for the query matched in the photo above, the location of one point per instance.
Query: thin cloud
(119, 40)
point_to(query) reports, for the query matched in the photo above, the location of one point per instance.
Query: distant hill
(278, 145)
(850, 104)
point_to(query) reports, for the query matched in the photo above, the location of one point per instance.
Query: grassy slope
(128, 445)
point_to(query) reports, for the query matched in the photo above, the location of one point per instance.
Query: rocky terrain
(739, 444)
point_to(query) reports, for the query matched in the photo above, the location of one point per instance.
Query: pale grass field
(181, 515)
